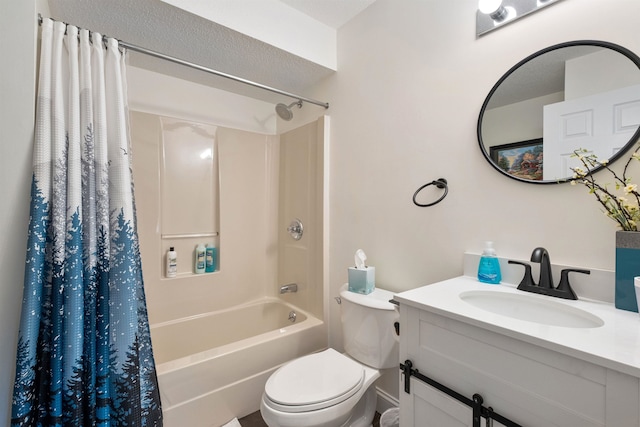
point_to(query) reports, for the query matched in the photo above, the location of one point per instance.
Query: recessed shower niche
(184, 194)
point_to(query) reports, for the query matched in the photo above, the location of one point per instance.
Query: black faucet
(541, 256)
(545, 283)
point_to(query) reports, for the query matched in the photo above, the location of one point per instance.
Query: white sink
(531, 308)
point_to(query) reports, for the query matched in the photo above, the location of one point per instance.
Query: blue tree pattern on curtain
(84, 354)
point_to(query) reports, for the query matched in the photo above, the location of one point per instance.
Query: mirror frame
(622, 50)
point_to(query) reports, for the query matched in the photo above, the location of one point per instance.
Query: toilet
(331, 389)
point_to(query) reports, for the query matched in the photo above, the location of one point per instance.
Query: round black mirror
(576, 95)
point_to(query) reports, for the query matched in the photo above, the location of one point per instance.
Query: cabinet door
(427, 406)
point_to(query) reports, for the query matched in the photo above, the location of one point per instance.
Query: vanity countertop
(614, 345)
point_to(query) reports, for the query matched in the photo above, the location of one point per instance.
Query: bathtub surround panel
(250, 203)
(244, 197)
(301, 196)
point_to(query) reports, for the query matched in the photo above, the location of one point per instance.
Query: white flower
(626, 213)
(578, 172)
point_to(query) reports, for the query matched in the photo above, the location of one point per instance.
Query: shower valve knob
(295, 229)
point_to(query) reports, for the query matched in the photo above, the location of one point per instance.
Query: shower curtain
(84, 354)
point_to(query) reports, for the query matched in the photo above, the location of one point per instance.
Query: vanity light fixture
(494, 9)
(492, 14)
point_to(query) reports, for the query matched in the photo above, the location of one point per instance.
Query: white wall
(404, 104)
(516, 122)
(195, 102)
(17, 96)
(582, 74)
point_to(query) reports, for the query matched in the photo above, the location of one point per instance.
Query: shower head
(284, 111)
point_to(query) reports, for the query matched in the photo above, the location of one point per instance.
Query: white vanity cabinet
(525, 380)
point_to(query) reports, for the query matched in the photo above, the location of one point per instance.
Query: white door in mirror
(601, 124)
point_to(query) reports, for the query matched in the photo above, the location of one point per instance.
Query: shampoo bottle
(210, 259)
(489, 267)
(171, 263)
(200, 259)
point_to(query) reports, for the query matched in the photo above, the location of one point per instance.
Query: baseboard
(385, 401)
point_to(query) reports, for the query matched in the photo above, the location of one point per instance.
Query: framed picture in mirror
(522, 159)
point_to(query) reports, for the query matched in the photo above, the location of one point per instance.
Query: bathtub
(213, 367)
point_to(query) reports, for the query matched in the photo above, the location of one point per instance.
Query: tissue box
(362, 281)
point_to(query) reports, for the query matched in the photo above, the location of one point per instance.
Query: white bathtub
(213, 367)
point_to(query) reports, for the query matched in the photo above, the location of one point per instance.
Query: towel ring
(440, 183)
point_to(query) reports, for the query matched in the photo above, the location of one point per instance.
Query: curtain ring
(440, 183)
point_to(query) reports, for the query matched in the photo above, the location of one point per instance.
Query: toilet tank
(368, 330)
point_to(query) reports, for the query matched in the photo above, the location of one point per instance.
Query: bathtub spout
(291, 287)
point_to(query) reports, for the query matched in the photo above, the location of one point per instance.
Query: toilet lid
(314, 382)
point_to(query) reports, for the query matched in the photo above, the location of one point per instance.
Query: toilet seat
(314, 382)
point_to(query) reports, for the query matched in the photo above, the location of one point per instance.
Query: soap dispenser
(489, 267)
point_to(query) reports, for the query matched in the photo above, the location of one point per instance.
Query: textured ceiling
(157, 26)
(540, 76)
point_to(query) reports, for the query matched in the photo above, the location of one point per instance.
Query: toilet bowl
(323, 389)
(331, 389)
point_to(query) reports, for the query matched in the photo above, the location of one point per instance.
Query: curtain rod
(159, 55)
(218, 73)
